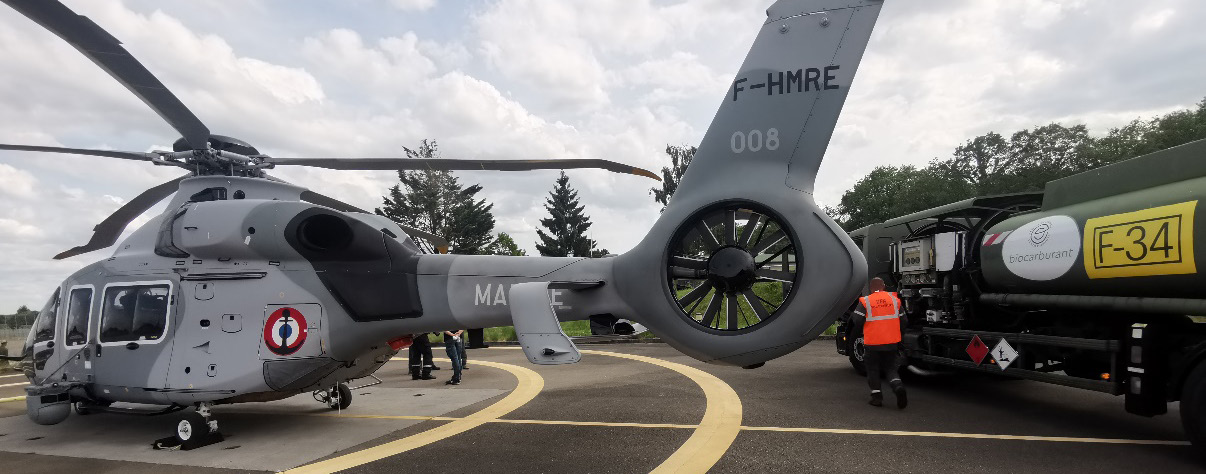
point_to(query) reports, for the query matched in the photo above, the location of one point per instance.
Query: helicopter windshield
(134, 313)
(43, 327)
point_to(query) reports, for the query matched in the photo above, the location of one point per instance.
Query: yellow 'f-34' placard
(1155, 241)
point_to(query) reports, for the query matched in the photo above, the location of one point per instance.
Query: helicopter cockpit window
(134, 313)
(43, 327)
(78, 307)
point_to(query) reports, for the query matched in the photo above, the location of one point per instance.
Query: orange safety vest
(883, 318)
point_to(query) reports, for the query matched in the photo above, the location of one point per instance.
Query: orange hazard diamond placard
(977, 350)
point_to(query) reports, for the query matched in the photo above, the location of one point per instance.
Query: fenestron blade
(107, 52)
(445, 164)
(107, 232)
(127, 155)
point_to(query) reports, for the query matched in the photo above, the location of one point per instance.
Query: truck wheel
(857, 353)
(1193, 407)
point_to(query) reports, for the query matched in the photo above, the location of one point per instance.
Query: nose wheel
(193, 431)
(338, 397)
(732, 267)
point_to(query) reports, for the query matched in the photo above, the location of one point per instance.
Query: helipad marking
(14, 384)
(928, 434)
(10, 376)
(12, 399)
(530, 384)
(714, 433)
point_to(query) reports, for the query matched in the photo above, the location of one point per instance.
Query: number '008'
(754, 140)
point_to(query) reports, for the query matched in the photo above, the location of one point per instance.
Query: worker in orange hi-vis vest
(882, 320)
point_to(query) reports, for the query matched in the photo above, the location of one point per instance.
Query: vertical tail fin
(782, 106)
(742, 226)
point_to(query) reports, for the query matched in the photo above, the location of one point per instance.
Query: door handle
(132, 345)
(50, 344)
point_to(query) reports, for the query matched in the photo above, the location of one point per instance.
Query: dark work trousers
(420, 356)
(883, 362)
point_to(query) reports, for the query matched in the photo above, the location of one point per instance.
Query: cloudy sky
(612, 79)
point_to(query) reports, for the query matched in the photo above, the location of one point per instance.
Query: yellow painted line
(928, 434)
(10, 376)
(22, 384)
(716, 431)
(530, 384)
(12, 399)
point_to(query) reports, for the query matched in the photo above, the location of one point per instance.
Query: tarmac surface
(632, 408)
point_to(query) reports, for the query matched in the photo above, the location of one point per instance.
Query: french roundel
(285, 331)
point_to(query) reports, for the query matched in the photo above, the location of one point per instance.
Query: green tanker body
(1093, 283)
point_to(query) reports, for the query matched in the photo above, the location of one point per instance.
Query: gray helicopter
(251, 289)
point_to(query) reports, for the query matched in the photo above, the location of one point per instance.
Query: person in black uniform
(420, 357)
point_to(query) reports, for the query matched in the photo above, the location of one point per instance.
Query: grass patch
(507, 333)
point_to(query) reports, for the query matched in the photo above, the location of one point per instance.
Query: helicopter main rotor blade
(107, 52)
(444, 164)
(126, 155)
(312, 197)
(107, 232)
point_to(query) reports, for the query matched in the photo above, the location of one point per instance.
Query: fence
(13, 338)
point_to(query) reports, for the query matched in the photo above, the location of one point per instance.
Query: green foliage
(435, 202)
(507, 333)
(992, 164)
(505, 245)
(680, 158)
(22, 318)
(566, 223)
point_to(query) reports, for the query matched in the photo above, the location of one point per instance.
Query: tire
(857, 352)
(343, 398)
(192, 431)
(1193, 407)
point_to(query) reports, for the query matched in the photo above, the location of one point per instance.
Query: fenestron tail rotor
(732, 267)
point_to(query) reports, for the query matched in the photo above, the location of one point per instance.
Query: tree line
(437, 202)
(995, 164)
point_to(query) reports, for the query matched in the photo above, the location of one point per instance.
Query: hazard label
(1004, 354)
(977, 350)
(285, 331)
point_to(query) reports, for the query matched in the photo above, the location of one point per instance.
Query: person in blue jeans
(453, 346)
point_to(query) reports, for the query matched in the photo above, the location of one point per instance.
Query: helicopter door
(75, 334)
(41, 338)
(133, 326)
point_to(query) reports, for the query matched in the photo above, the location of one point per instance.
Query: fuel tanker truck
(1092, 283)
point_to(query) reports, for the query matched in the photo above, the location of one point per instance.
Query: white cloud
(510, 79)
(413, 5)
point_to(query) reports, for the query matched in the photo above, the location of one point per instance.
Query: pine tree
(505, 245)
(567, 224)
(680, 158)
(435, 202)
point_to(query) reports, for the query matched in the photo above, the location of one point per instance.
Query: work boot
(877, 399)
(426, 374)
(902, 397)
(414, 372)
(453, 382)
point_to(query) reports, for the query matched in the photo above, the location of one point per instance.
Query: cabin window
(78, 307)
(134, 313)
(43, 327)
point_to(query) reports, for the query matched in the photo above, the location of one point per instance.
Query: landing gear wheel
(732, 266)
(192, 431)
(340, 397)
(1193, 407)
(857, 354)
